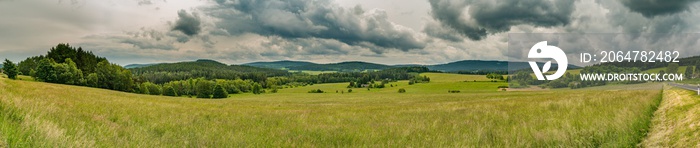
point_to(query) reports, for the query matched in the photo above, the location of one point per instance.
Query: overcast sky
(323, 31)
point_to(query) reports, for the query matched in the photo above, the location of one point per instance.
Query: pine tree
(10, 69)
(220, 92)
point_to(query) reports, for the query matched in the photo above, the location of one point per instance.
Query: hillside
(466, 65)
(131, 66)
(165, 72)
(342, 66)
(279, 64)
(478, 65)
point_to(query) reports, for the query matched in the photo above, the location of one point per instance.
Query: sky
(322, 31)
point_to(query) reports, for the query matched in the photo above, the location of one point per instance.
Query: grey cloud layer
(489, 17)
(651, 8)
(323, 19)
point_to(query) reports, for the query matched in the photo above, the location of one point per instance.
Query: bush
(453, 91)
(402, 90)
(349, 90)
(153, 89)
(220, 92)
(502, 86)
(316, 91)
(205, 88)
(169, 91)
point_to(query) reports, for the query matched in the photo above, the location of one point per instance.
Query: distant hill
(342, 66)
(210, 69)
(279, 64)
(479, 65)
(466, 65)
(130, 66)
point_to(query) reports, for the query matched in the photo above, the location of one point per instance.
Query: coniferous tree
(219, 92)
(10, 69)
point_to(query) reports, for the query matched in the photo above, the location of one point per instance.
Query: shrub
(316, 91)
(402, 90)
(153, 89)
(169, 91)
(502, 86)
(220, 92)
(349, 90)
(453, 91)
(204, 88)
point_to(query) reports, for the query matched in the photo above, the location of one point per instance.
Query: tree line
(64, 64)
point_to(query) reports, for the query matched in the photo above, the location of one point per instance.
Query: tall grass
(425, 116)
(677, 120)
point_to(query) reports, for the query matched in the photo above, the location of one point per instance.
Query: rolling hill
(465, 65)
(342, 66)
(165, 72)
(131, 66)
(279, 64)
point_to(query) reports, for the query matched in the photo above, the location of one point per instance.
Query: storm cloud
(652, 8)
(189, 24)
(489, 17)
(302, 19)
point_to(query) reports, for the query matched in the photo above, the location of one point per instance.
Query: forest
(64, 64)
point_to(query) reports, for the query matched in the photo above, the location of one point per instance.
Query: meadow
(675, 123)
(35, 114)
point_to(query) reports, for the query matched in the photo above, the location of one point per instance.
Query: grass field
(311, 72)
(676, 122)
(35, 114)
(681, 69)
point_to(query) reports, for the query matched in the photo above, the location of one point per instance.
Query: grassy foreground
(677, 121)
(35, 114)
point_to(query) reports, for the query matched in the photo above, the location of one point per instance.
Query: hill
(210, 69)
(479, 65)
(459, 66)
(131, 66)
(279, 64)
(342, 66)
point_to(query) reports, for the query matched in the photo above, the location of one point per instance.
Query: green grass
(681, 70)
(448, 77)
(676, 122)
(313, 72)
(425, 116)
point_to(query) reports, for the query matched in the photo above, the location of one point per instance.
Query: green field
(35, 114)
(676, 121)
(312, 72)
(681, 69)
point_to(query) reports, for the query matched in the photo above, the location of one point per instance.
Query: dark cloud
(489, 17)
(301, 19)
(436, 30)
(189, 24)
(651, 8)
(654, 28)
